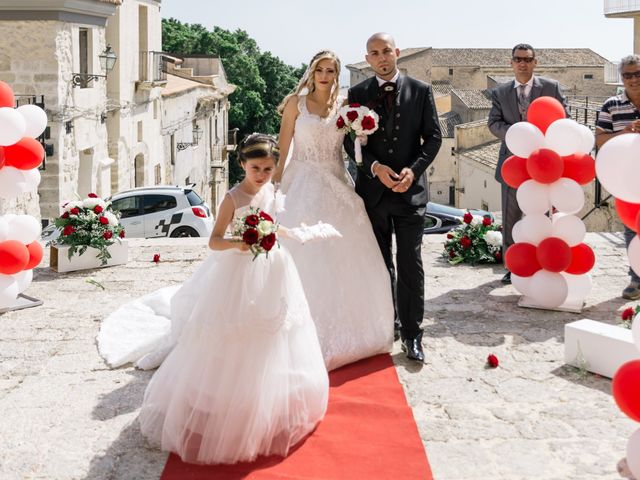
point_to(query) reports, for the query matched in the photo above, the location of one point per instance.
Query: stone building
(617, 9)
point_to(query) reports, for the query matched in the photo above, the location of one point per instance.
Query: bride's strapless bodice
(317, 141)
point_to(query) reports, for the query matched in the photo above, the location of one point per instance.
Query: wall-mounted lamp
(103, 117)
(197, 134)
(68, 126)
(107, 62)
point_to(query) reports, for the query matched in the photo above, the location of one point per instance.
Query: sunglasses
(523, 59)
(630, 75)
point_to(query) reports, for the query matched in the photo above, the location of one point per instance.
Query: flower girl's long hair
(307, 83)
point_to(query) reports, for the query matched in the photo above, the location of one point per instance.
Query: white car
(151, 212)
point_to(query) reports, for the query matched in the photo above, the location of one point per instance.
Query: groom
(392, 181)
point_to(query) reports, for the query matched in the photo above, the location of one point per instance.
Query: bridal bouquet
(88, 223)
(477, 240)
(257, 229)
(357, 121)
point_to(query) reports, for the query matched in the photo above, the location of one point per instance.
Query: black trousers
(511, 214)
(392, 215)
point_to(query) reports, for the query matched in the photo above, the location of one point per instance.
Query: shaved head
(385, 37)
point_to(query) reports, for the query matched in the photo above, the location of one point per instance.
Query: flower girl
(246, 375)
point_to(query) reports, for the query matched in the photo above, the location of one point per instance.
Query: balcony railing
(612, 74)
(232, 139)
(613, 7)
(153, 70)
(39, 101)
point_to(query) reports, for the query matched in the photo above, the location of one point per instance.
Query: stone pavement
(65, 415)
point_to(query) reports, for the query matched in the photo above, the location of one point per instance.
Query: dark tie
(387, 94)
(523, 102)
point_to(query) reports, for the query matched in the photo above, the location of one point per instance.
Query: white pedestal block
(60, 262)
(599, 347)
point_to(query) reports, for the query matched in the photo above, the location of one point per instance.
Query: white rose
(113, 220)
(477, 220)
(71, 205)
(92, 202)
(265, 227)
(493, 238)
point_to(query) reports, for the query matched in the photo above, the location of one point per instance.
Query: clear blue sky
(295, 30)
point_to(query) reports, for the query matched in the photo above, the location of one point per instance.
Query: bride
(345, 279)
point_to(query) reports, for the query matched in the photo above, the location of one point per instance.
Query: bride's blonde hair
(307, 79)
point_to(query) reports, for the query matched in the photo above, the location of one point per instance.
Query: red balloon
(626, 389)
(582, 259)
(543, 111)
(14, 256)
(554, 254)
(6, 96)
(628, 213)
(580, 167)
(35, 255)
(520, 259)
(1, 157)
(545, 165)
(26, 154)
(514, 171)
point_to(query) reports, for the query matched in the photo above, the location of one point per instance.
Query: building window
(173, 149)
(484, 206)
(588, 76)
(140, 129)
(451, 71)
(485, 184)
(158, 174)
(83, 47)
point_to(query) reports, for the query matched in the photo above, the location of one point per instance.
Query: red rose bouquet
(89, 223)
(357, 121)
(257, 229)
(477, 240)
(628, 314)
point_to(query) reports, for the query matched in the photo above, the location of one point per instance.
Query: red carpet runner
(368, 433)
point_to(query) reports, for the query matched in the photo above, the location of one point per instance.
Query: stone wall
(440, 173)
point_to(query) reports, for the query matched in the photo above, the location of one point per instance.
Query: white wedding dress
(345, 279)
(245, 374)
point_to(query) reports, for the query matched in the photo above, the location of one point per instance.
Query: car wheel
(184, 232)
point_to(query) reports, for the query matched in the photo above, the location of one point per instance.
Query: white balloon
(564, 136)
(617, 167)
(4, 229)
(32, 179)
(23, 279)
(588, 139)
(566, 195)
(533, 197)
(12, 182)
(522, 138)
(635, 329)
(522, 284)
(35, 120)
(633, 252)
(548, 289)
(633, 454)
(579, 286)
(533, 228)
(568, 228)
(8, 290)
(24, 228)
(12, 126)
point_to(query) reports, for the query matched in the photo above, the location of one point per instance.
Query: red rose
(486, 221)
(627, 313)
(252, 220)
(498, 256)
(452, 253)
(340, 122)
(92, 195)
(268, 242)
(74, 211)
(104, 220)
(368, 122)
(352, 115)
(68, 230)
(107, 235)
(492, 360)
(121, 234)
(449, 236)
(467, 218)
(465, 242)
(266, 216)
(97, 209)
(156, 258)
(65, 215)
(354, 105)
(250, 236)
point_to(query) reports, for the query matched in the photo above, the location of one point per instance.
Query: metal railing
(39, 101)
(621, 6)
(152, 67)
(612, 74)
(232, 138)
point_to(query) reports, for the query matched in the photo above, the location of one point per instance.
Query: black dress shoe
(413, 348)
(506, 279)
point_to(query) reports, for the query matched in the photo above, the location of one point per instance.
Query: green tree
(262, 79)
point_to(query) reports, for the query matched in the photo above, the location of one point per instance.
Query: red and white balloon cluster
(626, 392)
(548, 261)
(20, 152)
(617, 169)
(20, 156)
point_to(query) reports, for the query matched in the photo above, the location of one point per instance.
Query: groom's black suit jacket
(408, 136)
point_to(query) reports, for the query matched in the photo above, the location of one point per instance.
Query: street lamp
(107, 62)
(197, 135)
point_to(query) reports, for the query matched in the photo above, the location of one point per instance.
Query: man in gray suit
(510, 102)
